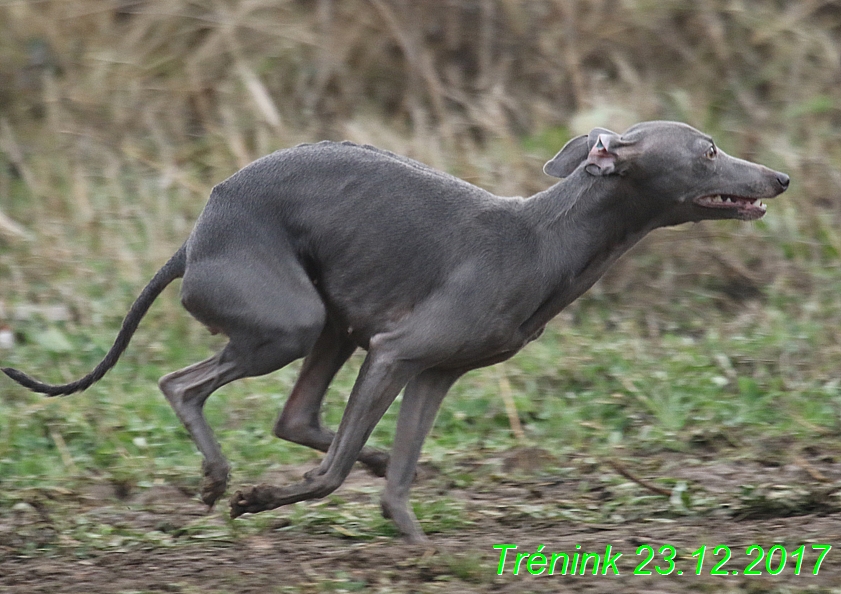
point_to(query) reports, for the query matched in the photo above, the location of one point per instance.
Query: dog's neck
(584, 224)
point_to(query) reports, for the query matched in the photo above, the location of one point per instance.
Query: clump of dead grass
(118, 116)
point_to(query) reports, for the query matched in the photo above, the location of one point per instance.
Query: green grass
(630, 376)
(714, 341)
(657, 370)
(592, 382)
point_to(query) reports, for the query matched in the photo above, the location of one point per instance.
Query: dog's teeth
(728, 199)
(716, 198)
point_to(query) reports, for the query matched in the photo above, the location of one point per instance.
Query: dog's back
(370, 227)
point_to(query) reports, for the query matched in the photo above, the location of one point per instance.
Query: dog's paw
(253, 499)
(214, 485)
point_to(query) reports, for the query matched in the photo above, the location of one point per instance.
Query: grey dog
(319, 249)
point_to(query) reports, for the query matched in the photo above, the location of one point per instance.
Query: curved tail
(173, 269)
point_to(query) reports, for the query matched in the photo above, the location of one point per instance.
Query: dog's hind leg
(300, 419)
(187, 390)
(272, 315)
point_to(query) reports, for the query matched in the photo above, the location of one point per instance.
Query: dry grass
(720, 340)
(118, 116)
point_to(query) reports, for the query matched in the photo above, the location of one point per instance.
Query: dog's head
(675, 167)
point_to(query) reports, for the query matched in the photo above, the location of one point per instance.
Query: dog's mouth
(748, 209)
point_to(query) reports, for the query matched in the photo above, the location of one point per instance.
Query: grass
(613, 374)
(615, 377)
(592, 386)
(713, 338)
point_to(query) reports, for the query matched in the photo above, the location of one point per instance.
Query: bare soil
(283, 557)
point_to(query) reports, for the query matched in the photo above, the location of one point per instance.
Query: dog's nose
(783, 180)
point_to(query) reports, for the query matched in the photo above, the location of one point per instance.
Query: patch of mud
(280, 556)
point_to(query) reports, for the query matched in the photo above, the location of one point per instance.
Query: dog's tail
(173, 269)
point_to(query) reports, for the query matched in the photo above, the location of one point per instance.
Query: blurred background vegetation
(118, 116)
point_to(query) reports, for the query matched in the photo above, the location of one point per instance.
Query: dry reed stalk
(261, 96)
(63, 450)
(10, 146)
(178, 176)
(569, 10)
(810, 470)
(233, 137)
(419, 61)
(325, 16)
(12, 230)
(641, 482)
(510, 406)
(83, 212)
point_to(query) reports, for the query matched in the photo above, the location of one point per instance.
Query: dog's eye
(711, 152)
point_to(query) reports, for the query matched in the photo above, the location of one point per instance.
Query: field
(691, 398)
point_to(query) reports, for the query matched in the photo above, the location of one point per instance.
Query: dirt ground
(283, 557)
(264, 563)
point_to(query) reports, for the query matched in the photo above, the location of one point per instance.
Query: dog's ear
(601, 160)
(568, 158)
(592, 148)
